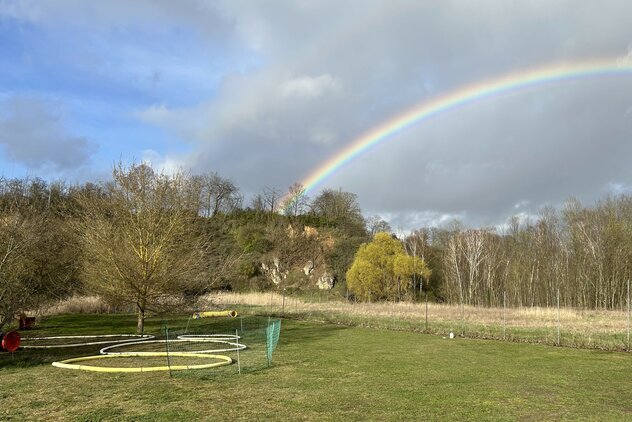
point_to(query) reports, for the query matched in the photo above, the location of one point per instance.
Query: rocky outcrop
(300, 245)
(308, 268)
(274, 272)
(326, 281)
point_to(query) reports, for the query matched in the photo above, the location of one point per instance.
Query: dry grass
(78, 305)
(96, 305)
(578, 328)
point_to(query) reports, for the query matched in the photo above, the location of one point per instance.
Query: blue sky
(88, 81)
(263, 92)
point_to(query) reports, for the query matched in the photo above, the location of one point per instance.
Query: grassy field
(582, 328)
(325, 372)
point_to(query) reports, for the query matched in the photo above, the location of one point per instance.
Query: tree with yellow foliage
(382, 270)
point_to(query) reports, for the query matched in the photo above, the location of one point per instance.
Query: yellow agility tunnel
(210, 314)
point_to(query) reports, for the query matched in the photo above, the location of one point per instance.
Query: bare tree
(37, 254)
(19, 285)
(271, 198)
(337, 205)
(217, 194)
(257, 203)
(140, 239)
(376, 224)
(296, 201)
(417, 245)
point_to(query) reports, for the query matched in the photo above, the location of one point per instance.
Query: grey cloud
(476, 162)
(484, 159)
(331, 71)
(32, 134)
(156, 15)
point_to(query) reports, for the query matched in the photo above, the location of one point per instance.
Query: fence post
(462, 319)
(168, 352)
(628, 315)
(558, 316)
(238, 360)
(268, 342)
(426, 311)
(504, 313)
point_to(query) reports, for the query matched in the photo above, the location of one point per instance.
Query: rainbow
(469, 95)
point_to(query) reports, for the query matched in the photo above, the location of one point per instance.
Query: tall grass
(82, 305)
(96, 305)
(603, 329)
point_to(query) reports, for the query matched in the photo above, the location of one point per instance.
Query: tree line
(152, 241)
(578, 255)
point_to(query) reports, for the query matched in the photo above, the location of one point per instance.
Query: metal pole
(504, 313)
(238, 360)
(268, 342)
(167, 344)
(426, 311)
(186, 330)
(463, 320)
(558, 316)
(628, 315)
(283, 303)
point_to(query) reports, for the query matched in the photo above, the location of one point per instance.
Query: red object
(26, 323)
(10, 341)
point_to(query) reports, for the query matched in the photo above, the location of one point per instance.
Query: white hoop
(140, 338)
(236, 346)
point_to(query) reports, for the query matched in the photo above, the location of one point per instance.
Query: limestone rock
(309, 267)
(326, 282)
(273, 271)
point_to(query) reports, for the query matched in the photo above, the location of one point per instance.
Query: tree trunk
(140, 327)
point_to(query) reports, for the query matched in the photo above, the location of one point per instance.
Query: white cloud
(522, 218)
(522, 204)
(162, 163)
(616, 188)
(407, 221)
(626, 60)
(156, 113)
(310, 87)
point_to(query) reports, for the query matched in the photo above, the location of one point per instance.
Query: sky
(265, 92)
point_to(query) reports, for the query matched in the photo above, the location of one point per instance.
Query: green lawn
(326, 372)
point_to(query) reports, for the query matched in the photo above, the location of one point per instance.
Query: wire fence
(249, 341)
(554, 325)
